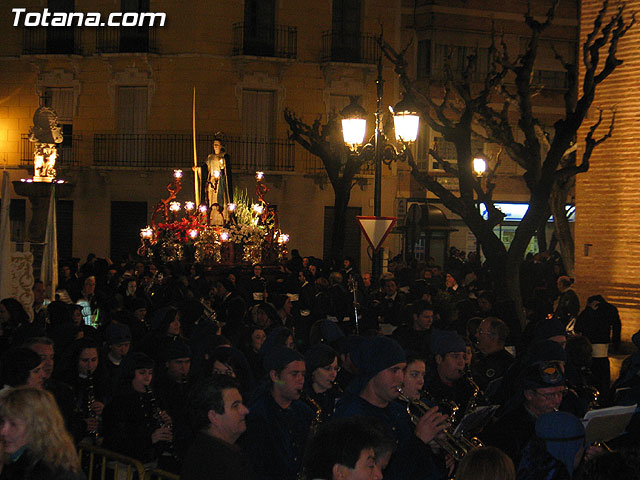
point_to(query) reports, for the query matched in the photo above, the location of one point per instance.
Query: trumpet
(456, 445)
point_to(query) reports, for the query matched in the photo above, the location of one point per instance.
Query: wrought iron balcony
(58, 40)
(126, 40)
(350, 48)
(278, 41)
(175, 150)
(68, 151)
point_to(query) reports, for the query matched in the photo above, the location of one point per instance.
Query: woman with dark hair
(320, 392)
(250, 346)
(134, 422)
(226, 360)
(87, 379)
(22, 366)
(34, 438)
(166, 327)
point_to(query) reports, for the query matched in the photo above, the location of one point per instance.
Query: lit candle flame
(224, 236)
(174, 206)
(188, 206)
(193, 233)
(259, 175)
(146, 233)
(231, 207)
(202, 208)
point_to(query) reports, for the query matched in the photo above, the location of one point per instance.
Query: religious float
(240, 232)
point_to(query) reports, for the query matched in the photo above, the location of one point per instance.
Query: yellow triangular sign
(376, 229)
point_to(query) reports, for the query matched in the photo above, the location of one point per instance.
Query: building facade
(124, 98)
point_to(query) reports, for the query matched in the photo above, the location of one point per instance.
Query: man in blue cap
(373, 393)
(278, 422)
(448, 382)
(542, 391)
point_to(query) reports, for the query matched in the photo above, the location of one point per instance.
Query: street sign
(376, 229)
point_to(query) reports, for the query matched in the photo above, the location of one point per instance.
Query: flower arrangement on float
(246, 232)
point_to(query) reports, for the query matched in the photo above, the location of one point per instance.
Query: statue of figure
(45, 127)
(45, 133)
(218, 187)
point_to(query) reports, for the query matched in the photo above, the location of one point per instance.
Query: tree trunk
(561, 225)
(340, 204)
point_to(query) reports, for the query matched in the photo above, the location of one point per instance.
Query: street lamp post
(479, 168)
(406, 122)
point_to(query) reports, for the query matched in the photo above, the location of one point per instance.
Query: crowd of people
(307, 370)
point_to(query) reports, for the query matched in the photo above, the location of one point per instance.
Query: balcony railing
(68, 152)
(350, 48)
(278, 41)
(126, 40)
(58, 40)
(176, 150)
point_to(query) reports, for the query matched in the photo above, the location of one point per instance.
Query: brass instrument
(454, 444)
(472, 404)
(317, 419)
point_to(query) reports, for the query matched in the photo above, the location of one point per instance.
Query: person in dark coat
(278, 423)
(217, 413)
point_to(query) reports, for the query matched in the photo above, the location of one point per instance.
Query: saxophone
(472, 404)
(317, 419)
(156, 414)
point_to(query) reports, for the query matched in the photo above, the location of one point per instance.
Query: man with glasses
(493, 360)
(543, 388)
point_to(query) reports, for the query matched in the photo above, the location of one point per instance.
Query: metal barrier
(102, 464)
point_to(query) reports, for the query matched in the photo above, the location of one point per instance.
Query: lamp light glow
(216, 174)
(406, 120)
(354, 123)
(174, 206)
(146, 233)
(231, 207)
(192, 232)
(258, 208)
(479, 166)
(259, 175)
(177, 173)
(189, 206)
(202, 208)
(224, 236)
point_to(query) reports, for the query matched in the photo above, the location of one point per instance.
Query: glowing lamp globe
(202, 208)
(231, 207)
(177, 173)
(189, 206)
(174, 206)
(354, 123)
(224, 236)
(406, 121)
(479, 166)
(216, 174)
(192, 232)
(258, 208)
(259, 175)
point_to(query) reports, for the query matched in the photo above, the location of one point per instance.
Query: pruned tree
(325, 142)
(466, 111)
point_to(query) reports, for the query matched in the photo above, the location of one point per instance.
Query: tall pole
(377, 187)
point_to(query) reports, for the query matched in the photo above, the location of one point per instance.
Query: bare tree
(325, 142)
(467, 111)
